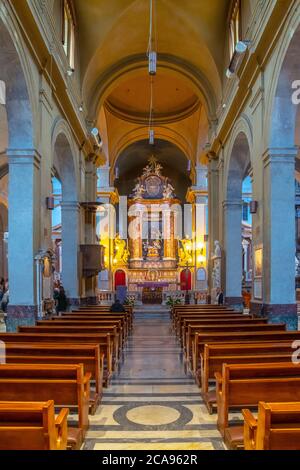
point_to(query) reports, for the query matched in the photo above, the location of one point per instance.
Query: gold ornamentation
(121, 252)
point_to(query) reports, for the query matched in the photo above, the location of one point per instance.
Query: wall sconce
(50, 203)
(253, 207)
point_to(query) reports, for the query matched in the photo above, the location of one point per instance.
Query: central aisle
(152, 404)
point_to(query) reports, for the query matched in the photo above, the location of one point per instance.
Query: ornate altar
(153, 246)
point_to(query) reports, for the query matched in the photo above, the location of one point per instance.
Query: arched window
(68, 31)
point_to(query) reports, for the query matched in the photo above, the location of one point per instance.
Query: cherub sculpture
(168, 192)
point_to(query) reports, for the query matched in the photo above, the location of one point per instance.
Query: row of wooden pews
(242, 362)
(52, 366)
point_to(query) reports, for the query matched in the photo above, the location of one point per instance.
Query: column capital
(279, 155)
(24, 157)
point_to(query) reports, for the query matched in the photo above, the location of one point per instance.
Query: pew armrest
(250, 430)
(61, 425)
(249, 419)
(218, 377)
(87, 377)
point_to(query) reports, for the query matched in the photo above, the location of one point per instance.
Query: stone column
(233, 252)
(279, 236)
(70, 212)
(24, 234)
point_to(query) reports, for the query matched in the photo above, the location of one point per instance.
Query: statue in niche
(218, 250)
(152, 249)
(168, 192)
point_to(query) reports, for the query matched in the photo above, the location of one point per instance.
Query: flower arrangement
(129, 300)
(171, 301)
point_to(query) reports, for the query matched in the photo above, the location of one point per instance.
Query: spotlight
(152, 63)
(229, 74)
(151, 137)
(70, 72)
(224, 105)
(241, 47)
(81, 108)
(96, 136)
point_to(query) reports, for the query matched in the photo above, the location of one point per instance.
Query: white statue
(218, 251)
(138, 191)
(168, 192)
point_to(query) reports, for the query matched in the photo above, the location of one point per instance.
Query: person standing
(220, 297)
(61, 301)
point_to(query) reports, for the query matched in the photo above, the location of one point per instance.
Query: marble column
(24, 234)
(70, 212)
(233, 252)
(279, 297)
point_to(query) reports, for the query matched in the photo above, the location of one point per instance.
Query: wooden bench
(190, 325)
(128, 314)
(236, 337)
(103, 340)
(32, 426)
(84, 322)
(276, 428)
(195, 331)
(52, 328)
(175, 313)
(66, 385)
(213, 359)
(88, 321)
(244, 385)
(86, 354)
(214, 318)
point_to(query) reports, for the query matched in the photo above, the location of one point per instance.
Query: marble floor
(152, 403)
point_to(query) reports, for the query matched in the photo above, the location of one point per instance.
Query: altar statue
(185, 251)
(121, 251)
(168, 192)
(138, 190)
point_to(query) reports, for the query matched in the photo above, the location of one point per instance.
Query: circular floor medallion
(153, 415)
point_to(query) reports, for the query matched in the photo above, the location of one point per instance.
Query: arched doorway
(186, 280)
(120, 278)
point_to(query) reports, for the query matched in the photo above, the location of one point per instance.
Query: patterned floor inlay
(151, 403)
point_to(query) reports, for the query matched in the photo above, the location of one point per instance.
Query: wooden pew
(196, 331)
(176, 312)
(125, 318)
(214, 357)
(276, 428)
(86, 354)
(244, 385)
(103, 340)
(191, 325)
(237, 337)
(52, 328)
(84, 322)
(104, 311)
(193, 319)
(64, 384)
(32, 426)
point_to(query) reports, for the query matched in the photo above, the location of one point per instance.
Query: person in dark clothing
(117, 306)
(61, 301)
(220, 297)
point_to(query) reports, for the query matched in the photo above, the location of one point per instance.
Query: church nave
(151, 403)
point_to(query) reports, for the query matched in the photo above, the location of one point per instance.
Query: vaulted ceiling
(113, 38)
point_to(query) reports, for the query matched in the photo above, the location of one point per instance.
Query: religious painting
(258, 260)
(153, 186)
